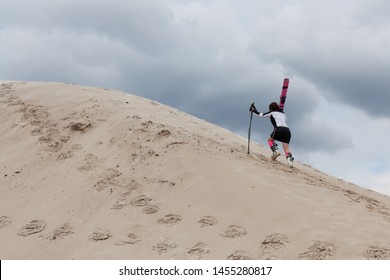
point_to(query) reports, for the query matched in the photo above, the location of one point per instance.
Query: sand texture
(89, 173)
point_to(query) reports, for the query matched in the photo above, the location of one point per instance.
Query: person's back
(280, 133)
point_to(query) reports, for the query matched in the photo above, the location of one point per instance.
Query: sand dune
(89, 173)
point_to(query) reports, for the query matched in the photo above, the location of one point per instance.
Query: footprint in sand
(65, 155)
(234, 231)
(371, 203)
(198, 251)
(5, 221)
(61, 232)
(169, 219)
(353, 196)
(174, 144)
(124, 200)
(130, 186)
(164, 246)
(240, 255)
(120, 204)
(273, 243)
(150, 209)
(80, 126)
(140, 200)
(164, 133)
(100, 235)
(32, 227)
(129, 239)
(109, 179)
(207, 221)
(377, 253)
(147, 124)
(320, 250)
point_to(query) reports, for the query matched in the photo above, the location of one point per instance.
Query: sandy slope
(90, 173)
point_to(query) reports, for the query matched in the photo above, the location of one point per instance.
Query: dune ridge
(89, 173)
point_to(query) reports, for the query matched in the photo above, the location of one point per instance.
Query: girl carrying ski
(280, 133)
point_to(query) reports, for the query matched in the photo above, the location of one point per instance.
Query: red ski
(283, 95)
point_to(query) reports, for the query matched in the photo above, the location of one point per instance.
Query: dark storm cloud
(346, 53)
(366, 91)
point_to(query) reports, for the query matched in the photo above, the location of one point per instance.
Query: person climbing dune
(280, 133)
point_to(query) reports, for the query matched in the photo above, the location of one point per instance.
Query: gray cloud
(345, 53)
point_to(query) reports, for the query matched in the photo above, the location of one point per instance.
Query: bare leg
(286, 148)
(289, 157)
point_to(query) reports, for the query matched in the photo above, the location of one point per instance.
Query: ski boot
(275, 151)
(290, 159)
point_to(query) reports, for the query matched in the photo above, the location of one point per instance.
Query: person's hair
(273, 106)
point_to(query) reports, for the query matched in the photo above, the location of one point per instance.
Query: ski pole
(249, 131)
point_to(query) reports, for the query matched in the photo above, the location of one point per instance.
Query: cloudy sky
(212, 58)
